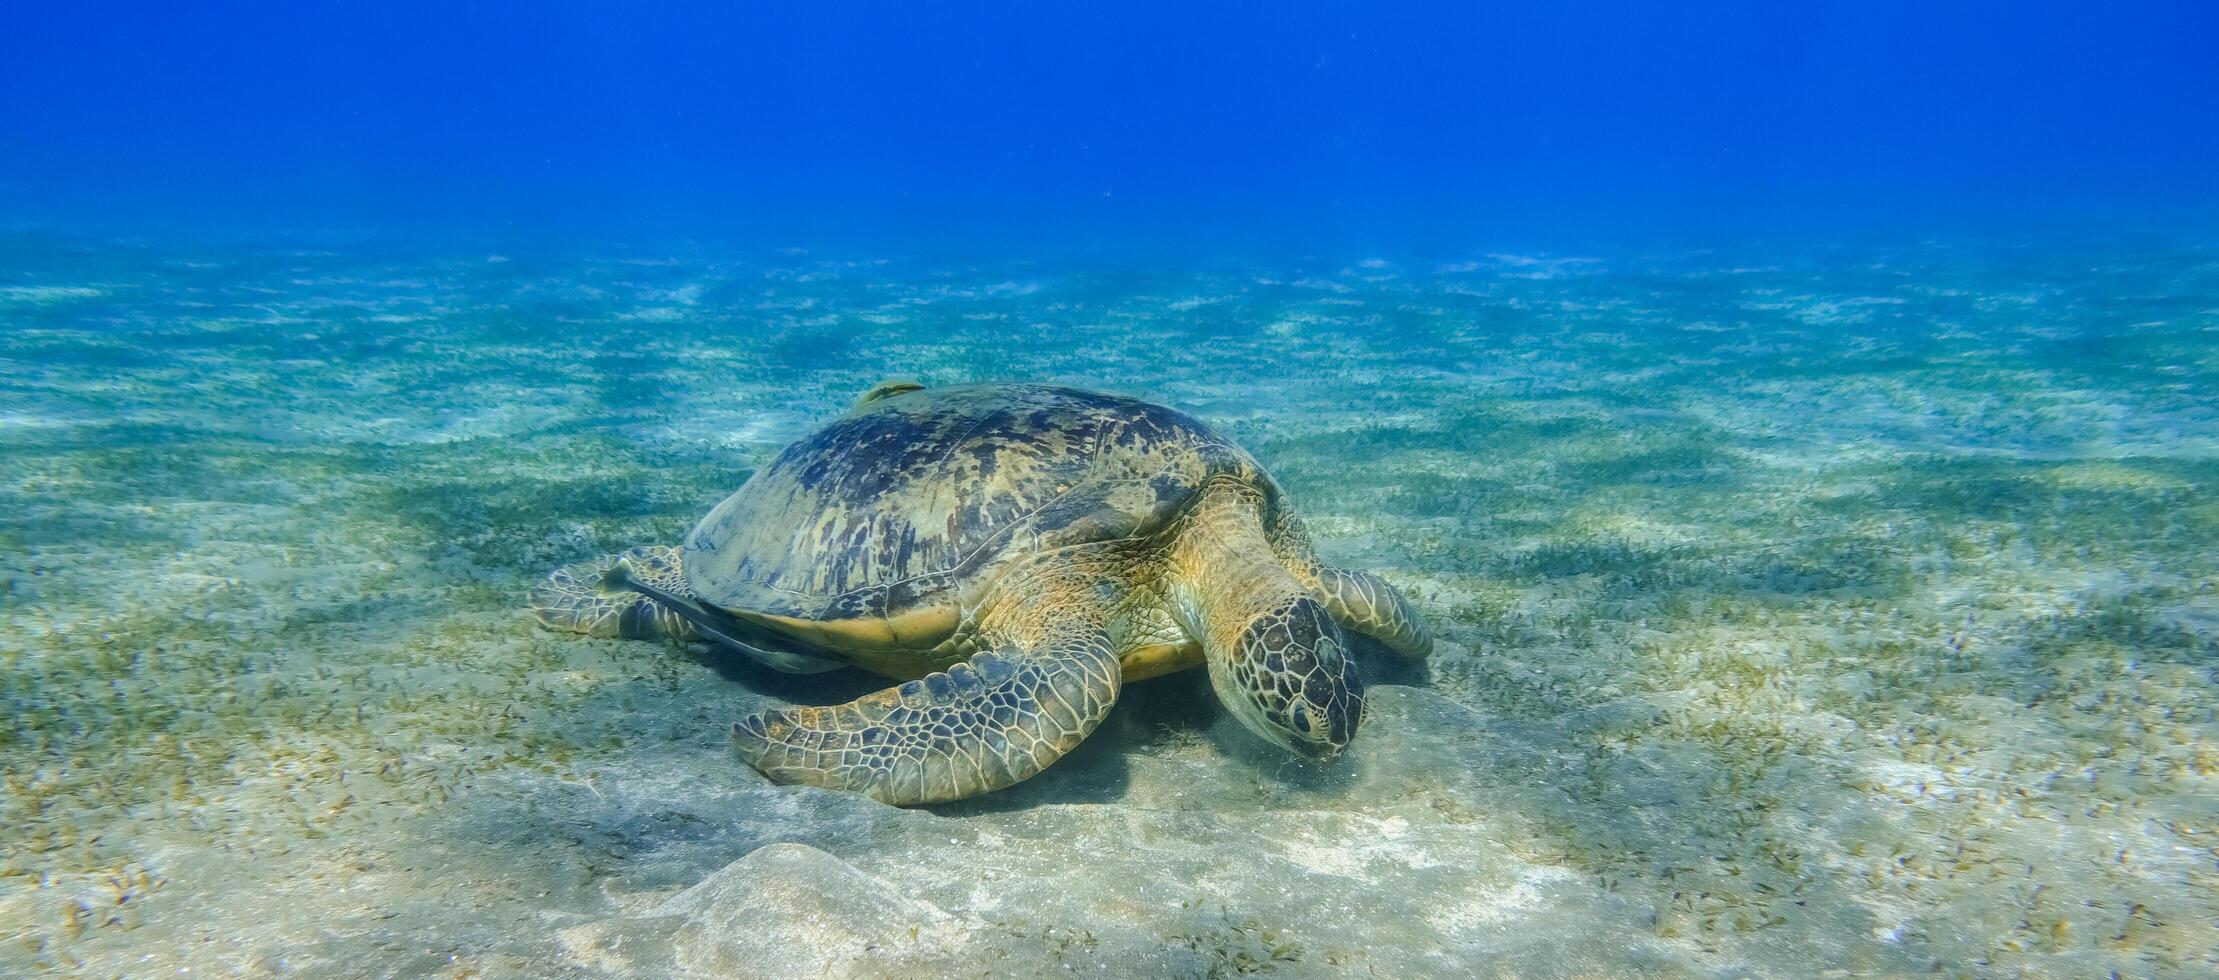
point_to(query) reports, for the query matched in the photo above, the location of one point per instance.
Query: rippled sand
(1803, 609)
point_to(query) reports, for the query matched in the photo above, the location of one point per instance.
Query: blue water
(1392, 124)
(1800, 425)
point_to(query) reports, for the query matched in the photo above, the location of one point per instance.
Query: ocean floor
(1805, 611)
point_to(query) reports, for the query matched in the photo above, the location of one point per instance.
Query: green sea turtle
(1015, 554)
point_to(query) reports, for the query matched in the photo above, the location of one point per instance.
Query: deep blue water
(1506, 125)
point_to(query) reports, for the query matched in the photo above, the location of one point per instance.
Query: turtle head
(1287, 676)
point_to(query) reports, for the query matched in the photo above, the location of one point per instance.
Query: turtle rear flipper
(597, 597)
(641, 594)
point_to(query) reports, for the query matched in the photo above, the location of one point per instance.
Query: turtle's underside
(1015, 553)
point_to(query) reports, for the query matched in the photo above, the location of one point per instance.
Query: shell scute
(899, 503)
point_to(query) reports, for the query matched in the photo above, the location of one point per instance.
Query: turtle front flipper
(1364, 603)
(597, 597)
(979, 726)
(1359, 602)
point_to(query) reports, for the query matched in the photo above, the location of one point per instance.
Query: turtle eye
(1302, 719)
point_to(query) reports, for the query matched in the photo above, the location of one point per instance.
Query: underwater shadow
(832, 687)
(1375, 665)
(1096, 772)
(1148, 714)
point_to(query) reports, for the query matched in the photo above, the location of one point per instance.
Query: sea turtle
(1014, 553)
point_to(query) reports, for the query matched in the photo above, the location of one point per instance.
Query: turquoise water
(1818, 606)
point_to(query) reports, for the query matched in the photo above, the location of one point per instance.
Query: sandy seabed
(1804, 611)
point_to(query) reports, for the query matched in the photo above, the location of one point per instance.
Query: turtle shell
(888, 512)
